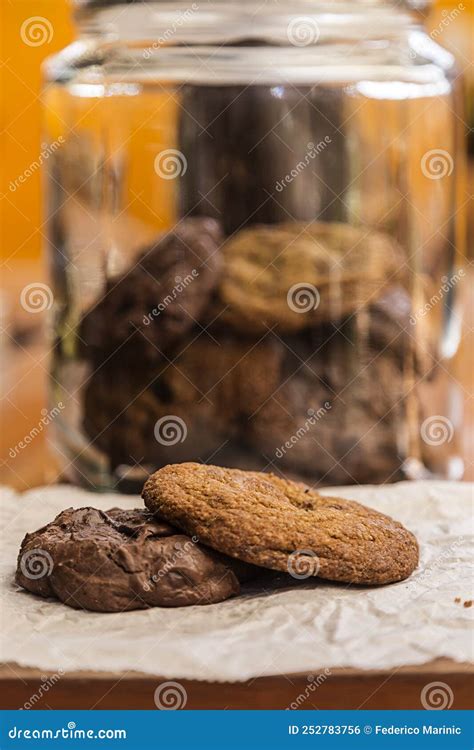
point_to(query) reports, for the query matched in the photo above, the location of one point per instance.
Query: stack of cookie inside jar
(269, 318)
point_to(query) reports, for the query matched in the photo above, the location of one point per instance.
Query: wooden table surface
(343, 689)
(26, 359)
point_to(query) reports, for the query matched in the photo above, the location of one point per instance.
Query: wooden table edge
(339, 688)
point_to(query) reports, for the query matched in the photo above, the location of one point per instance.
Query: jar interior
(254, 262)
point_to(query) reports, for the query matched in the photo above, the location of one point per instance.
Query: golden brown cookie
(295, 275)
(265, 520)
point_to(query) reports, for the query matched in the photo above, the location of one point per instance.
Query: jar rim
(298, 23)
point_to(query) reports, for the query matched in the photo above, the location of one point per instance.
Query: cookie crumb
(457, 600)
(468, 603)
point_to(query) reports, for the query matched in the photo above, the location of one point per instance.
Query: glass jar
(255, 242)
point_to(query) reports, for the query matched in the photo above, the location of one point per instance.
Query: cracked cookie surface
(264, 519)
(121, 560)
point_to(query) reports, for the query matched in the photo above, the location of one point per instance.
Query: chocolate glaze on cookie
(121, 560)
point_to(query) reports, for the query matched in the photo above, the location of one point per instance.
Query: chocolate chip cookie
(297, 275)
(157, 301)
(266, 520)
(121, 560)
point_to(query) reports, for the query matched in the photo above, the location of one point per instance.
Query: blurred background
(24, 352)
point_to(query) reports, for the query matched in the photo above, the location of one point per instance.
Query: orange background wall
(20, 115)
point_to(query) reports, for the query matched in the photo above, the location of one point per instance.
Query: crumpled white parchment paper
(286, 627)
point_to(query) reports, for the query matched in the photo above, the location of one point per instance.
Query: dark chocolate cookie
(389, 327)
(121, 560)
(265, 520)
(141, 419)
(159, 299)
(335, 416)
(182, 410)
